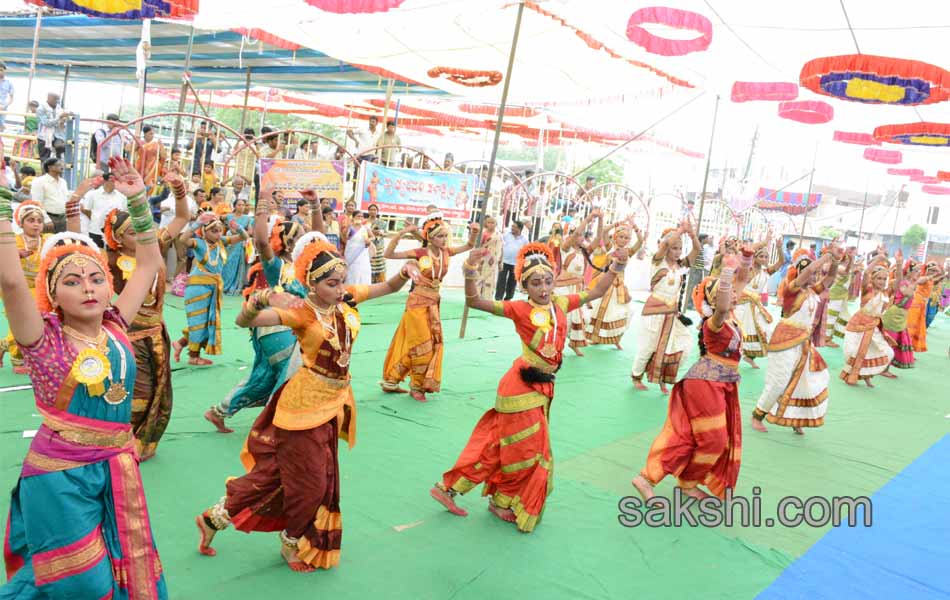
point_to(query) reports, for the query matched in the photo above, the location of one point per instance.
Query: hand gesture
(409, 228)
(233, 225)
(127, 180)
(621, 255)
(477, 256)
(309, 195)
(411, 269)
(86, 185)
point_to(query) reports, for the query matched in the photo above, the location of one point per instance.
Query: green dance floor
(398, 543)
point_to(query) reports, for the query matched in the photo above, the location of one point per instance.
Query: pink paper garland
(671, 17)
(888, 157)
(925, 179)
(746, 91)
(861, 139)
(905, 172)
(937, 190)
(812, 112)
(342, 7)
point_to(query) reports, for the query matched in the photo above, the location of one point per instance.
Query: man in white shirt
(365, 139)
(97, 205)
(513, 240)
(168, 210)
(51, 192)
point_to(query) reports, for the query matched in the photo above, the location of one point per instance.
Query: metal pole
(864, 207)
(494, 150)
(811, 178)
(62, 97)
(184, 86)
(36, 45)
(247, 94)
(702, 196)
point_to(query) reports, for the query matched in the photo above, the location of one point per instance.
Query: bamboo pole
(36, 46)
(184, 86)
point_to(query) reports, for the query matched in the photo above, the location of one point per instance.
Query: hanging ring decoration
(943, 175)
(924, 179)
(355, 6)
(812, 112)
(877, 79)
(467, 77)
(888, 157)
(671, 17)
(915, 134)
(745, 91)
(861, 139)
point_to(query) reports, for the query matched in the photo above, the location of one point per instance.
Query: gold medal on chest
(540, 318)
(548, 350)
(425, 262)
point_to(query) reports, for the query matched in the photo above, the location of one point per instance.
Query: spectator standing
(203, 147)
(6, 94)
(512, 241)
(51, 119)
(105, 147)
(97, 204)
(389, 138)
(50, 191)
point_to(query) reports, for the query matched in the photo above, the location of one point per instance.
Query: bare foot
(751, 361)
(889, 375)
(798, 430)
(868, 383)
(392, 388)
(197, 361)
(505, 514)
(619, 347)
(577, 351)
(295, 564)
(638, 385)
(21, 370)
(643, 487)
(759, 425)
(178, 347)
(443, 498)
(695, 493)
(831, 344)
(216, 420)
(207, 535)
(416, 395)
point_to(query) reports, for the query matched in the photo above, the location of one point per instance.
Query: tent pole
(808, 195)
(36, 45)
(247, 94)
(62, 97)
(389, 97)
(184, 86)
(494, 149)
(695, 273)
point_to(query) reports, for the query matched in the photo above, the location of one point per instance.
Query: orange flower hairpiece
(110, 233)
(51, 260)
(27, 207)
(306, 258)
(533, 250)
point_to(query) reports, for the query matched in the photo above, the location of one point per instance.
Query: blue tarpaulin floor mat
(905, 553)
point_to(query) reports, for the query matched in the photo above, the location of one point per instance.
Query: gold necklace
(100, 342)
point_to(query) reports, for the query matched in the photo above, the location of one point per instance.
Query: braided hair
(322, 259)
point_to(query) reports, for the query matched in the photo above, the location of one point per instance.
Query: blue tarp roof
(104, 50)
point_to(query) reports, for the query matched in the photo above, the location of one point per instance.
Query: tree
(829, 233)
(552, 155)
(914, 236)
(606, 171)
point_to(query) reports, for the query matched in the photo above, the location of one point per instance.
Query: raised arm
(810, 270)
(410, 270)
(697, 246)
(177, 184)
(640, 238)
(730, 264)
(22, 314)
(607, 279)
(390, 251)
(471, 269)
(262, 226)
(74, 207)
(473, 229)
(316, 211)
(148, 259)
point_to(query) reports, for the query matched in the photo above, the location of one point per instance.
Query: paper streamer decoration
(888, 157)
(126, 9)
(915, 134)
(861, 139)
(938, 190)
(876, 79)
(671, 17)
(813, 112)
(943, 175)
(905, 172)
(924, 179)
(746, 91)
(467, 77)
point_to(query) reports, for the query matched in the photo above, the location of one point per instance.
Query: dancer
(292, 483)
(79, 524)
(663, 337)
(276, 352)
(701, 440)
(359, 251)
(894, 319)
(933, 303)
(610, 315)
(570, 280)
(234, 272)
(510, 450)
(751, 312)
(796, 379)
(31, 218)
(866, 351)
(203, 294)
(152, 392)
(917, 314)
(838, 315)
(416, 347)
(820, 325)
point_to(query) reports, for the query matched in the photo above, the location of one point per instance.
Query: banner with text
(409, 191)
(294, 176)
